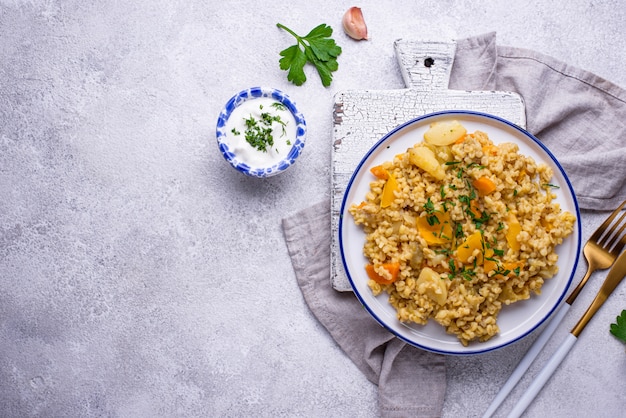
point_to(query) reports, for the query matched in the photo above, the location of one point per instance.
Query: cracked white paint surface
(361, 118)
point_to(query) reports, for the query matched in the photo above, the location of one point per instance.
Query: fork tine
(619, 245)
(602, 228)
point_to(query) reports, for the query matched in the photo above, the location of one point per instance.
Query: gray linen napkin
(579, 117)
(411, 382)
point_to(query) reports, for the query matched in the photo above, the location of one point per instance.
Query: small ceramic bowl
(238, 152)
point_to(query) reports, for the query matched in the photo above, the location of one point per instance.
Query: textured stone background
(141, 276)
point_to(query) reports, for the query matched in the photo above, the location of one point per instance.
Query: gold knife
(615, 276)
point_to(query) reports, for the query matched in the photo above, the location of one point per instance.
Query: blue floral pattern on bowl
(231, 157)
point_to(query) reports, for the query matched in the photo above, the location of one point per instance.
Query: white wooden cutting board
(361, 118)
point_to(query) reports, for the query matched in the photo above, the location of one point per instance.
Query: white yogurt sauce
(283, 139)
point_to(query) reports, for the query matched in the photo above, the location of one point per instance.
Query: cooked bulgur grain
(457, 240)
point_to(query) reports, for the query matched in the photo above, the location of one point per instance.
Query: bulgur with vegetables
(457, 227)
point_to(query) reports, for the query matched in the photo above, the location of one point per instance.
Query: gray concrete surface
(140, 276)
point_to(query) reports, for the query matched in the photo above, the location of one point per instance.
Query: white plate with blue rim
(515, 321)
(266, 159)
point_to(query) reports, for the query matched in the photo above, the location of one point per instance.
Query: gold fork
(600, 251)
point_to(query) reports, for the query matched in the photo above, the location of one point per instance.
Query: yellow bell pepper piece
(466, 249)
(438, 230)
(390, 186)
(512, 232)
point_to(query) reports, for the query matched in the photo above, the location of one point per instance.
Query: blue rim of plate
(251, 94)
(473, 348)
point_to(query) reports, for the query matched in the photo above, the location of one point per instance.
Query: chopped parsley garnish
(480, 221)
(452, 266)
(503, 272)
(259, 131)
(467, 274)
(470, 165)
(458, 231)
(279, 106)
(464, 273)
(432, 219)
(429, 206)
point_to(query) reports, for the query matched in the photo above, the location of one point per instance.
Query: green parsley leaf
(452, 266)
(279, 106)
(619, 328)
(429, 206)
(458, 231)
(318, 48)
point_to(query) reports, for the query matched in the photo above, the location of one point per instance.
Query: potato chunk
(425, 159)
(444, 133)
(429, 283)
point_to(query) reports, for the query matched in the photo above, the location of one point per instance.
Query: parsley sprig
(618, 329)
(318, 48)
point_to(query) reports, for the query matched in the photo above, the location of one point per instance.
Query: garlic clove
(354, 24)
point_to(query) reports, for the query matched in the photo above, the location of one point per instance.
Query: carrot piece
(475, 209)
(392, 268)
(484, 185)
(490, 150)
(380, 172)
(460, 140)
